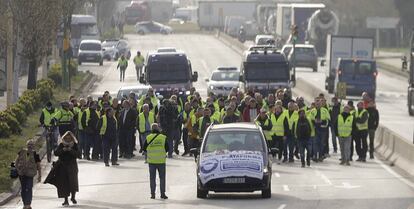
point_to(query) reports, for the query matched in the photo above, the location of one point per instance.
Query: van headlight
(265, 170)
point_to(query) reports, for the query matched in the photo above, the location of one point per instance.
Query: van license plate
(234, 180)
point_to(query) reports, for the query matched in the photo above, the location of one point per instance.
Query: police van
(265, 71)
(166, 71)
(359, 75)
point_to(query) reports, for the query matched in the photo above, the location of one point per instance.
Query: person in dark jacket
(89, 121)
(373, 122)
(334, 111)
(263, 120)
(127, 128)
(361, 123)
(168, 115)
(251, 111)
(302, 131)
(64, 174)
(230, 117)
(108, 127)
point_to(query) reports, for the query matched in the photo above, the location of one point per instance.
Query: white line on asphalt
(396, 175)
(277, 175)
(282, 206)
(204, 63)
(325, 178)
(286, 188)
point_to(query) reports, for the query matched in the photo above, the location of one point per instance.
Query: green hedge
(13, 117)
(55, 72)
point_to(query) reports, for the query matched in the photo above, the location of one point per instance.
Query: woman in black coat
(64, 174)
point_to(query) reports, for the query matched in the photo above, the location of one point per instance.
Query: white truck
(212, 13)
(344, 47)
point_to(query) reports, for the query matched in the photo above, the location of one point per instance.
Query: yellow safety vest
(361, 126)
(324, 114)
(345, 126)
(141, 121)
(156, 149)
(47, 117)
(268, 134)
(278, 128)
(123, 63)
(291, 118)
(105, 125)
(139, 60)
(64, 117)
(80, 115)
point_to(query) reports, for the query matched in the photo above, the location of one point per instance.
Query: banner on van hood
(231, 164)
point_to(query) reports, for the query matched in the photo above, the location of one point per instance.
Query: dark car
(234, 158)
(146, 27)
(114, 48)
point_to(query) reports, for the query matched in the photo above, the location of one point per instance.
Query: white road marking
(286, 188)
(277, 175)
(396, 175)
(204, 64)
(325, 178)
(346, 185)
(282, 206)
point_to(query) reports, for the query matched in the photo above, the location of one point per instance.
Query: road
(371, 185)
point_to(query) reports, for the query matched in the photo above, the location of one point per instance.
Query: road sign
(382, 22)
(341, 90)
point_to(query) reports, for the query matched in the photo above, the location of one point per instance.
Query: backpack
(26, 164)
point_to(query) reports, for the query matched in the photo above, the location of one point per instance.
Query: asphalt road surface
(327, 185)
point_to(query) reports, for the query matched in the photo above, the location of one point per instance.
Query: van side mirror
(195, 76)
(323, 62)
(142, 79)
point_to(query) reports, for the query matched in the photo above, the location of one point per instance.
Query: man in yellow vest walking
(144, 121)
(344, 125)
(156, 147)
(108, 127)
(361, 122)
(139, 64)
(122, 66)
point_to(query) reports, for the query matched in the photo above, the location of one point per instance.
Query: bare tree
(37, 22)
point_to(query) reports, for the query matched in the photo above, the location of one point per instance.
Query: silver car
(146, 27)
(223, 80)
(139, 90)
(305, 56)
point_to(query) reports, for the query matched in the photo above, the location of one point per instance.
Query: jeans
(345, 146)
(371, 133)
(88, 143)
(97, 147)
(176, 138)
(278, 142)
(142, 139)
(318, 147)
(361, 144)
(27, 189)
(122, 74)
(289, 146)
(110, 146)
(81, 142)
(138, 69)
(161, 173)
(185, 140)
(333, 136)
(305, 144)
(126, 142)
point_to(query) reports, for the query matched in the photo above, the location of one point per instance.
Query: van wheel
(267, 193)
(200, 192)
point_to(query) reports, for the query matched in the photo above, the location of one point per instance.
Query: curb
(5, 197)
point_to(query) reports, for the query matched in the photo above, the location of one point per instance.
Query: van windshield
(266, 71)
(358, 68)
(164, 72)
(233, 141)
(90, 47)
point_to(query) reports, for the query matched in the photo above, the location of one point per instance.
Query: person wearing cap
(156, 147)
(89, 122)
(302, 130)
(64, 118)
(263, 120)
(108, 127)
(27, 164)
(230, 116)
(64, 174)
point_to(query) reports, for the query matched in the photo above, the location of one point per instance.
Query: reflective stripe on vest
(361, 126)
(345, 127)
(278, 128)
(141, 121)
(47, 117)
(156, 150)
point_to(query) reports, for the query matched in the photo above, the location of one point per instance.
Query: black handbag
(13, 171)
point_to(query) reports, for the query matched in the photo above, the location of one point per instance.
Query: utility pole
(294, 38)
(9, 58)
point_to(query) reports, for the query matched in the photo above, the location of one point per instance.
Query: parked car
(90, 51)
(146, 27)
(114, 48)
(223, 80)
(166, 49)
(234, 158)
(305, 56)
(139, 90)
